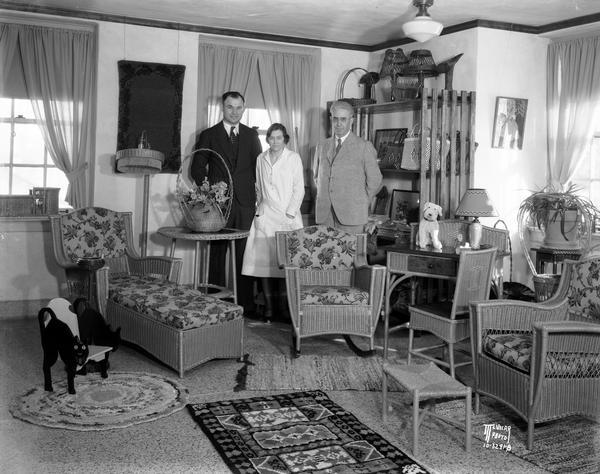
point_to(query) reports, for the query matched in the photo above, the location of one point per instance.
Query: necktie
(339, 145)
(233, 137)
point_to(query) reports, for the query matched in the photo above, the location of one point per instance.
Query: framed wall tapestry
(509, 123)
(405, 206)
(150, 98)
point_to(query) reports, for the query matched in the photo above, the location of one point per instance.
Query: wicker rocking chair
(330, 287)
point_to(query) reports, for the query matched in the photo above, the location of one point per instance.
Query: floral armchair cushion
(514, 349)
(178, 306)
(93, 232)
(584, 289)
(326, 295)
(323, 248)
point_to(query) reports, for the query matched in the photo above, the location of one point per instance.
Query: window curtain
(289, 83)
(573, 97)
(58, 67)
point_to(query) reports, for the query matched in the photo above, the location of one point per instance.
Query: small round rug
(123, 399)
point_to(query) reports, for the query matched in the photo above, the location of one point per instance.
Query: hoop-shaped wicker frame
(209, 224)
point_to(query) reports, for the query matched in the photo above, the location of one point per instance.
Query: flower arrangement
(206, 195)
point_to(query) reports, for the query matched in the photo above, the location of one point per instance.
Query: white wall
(124, 192)
(512, 65)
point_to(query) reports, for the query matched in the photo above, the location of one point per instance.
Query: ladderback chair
(449, 320)
(103, 233)
(330, 287)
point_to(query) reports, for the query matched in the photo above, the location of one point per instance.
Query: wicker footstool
(427, 382)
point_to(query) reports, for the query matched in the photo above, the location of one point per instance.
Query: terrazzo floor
(175, 444)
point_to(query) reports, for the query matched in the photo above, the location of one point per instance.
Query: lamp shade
(139, 161)
(422, 28)
(476, 203)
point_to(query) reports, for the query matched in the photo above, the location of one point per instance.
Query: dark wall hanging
(150, 98)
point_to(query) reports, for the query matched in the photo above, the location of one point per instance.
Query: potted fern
(565, 218)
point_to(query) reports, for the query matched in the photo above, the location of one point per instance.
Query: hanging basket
(198, 202)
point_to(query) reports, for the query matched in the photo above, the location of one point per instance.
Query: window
(24, 159)
(587, 174)
(259, 119)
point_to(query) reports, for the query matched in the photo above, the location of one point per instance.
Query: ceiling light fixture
(422, 28)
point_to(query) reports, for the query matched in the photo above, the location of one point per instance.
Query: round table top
(187, 234)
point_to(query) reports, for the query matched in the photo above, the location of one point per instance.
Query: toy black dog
(57, 339)
(92, 327)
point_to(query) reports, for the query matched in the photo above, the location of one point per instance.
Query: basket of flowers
(205, 206)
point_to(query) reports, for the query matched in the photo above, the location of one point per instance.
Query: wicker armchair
(542, 359)
(449, 320)
(330, 287)
(98, 232)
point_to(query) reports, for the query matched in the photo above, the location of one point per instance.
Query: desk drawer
(433, 265)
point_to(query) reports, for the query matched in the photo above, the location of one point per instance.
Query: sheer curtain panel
(289, 82)
(573, 97)
(58, 68)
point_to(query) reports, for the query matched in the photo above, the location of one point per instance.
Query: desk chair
(449, 320)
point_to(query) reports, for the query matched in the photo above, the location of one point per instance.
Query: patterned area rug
(123, 399)
(311, 372)
(568, 445)
(296, 432)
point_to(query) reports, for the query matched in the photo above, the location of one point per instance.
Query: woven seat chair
(449, 320)
(330, 287)
(542, 359)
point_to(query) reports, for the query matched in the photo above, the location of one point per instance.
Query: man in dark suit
(239, 146)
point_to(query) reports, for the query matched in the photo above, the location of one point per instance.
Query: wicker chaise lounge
(178, 325)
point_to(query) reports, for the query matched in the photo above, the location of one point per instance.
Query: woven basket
(200, 217)
(545, 285)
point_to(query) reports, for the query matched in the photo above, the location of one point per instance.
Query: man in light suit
(239, 146)
(346, 174)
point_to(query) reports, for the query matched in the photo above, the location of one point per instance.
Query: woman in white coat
(279, 193)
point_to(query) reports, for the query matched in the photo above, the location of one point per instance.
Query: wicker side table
(427, 382)
(555, 257)
(202, 255)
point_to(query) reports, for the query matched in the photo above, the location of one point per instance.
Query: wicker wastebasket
(545, 285)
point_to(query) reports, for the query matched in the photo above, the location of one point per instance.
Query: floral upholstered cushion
(515, 350)
(93, 232)
(512, 348)
(333, 295)
(321, 247)
(178, 306)
(584, 289)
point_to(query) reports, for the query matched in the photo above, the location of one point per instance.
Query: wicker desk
(427, 382)
(202, 255)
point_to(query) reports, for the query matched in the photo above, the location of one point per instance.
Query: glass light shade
(422, 28)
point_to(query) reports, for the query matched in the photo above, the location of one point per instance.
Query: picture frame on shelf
(388, 143)
(509, 123)
(404, 206)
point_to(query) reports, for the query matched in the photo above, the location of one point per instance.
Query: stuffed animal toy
(57, 339)
(429, 228)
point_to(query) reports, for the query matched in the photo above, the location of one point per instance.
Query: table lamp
(475, 203)
(145, 161)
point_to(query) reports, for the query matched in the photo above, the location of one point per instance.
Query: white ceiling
(358, 22)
